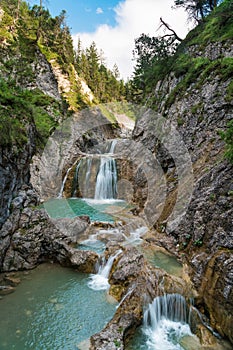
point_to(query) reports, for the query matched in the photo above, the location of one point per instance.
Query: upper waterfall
(106, 182)
(95, 176)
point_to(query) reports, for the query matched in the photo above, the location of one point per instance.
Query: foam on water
(99, 281)
(166, 336)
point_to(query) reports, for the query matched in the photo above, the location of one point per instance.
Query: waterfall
(96, 176)
(99, 281)
(165, 322)
(106, 182)
(75, 181)
(112, 146)
(63, 183)
(130, 290)
(169, 306)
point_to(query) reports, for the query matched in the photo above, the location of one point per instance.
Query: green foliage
(153, 57)
(103, 82)
(111, 109)
(198, 242)
(20, 108)
(6, 22)
(25, 30)
(117, 343)
(229, 92)
(217, 27)
(197, 9)
(108, 113)
(155, 61)
(15, 114)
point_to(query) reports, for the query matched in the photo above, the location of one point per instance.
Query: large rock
(30, 237)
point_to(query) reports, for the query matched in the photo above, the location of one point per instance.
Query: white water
(112, 146)
(134, 237)
(130, 290)
(166, 322)
(63, 183)
(106, 176)
(75, 181)
(99, 281)
(106, 182)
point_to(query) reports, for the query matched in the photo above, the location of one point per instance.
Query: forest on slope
(28, 36)
(159, 57)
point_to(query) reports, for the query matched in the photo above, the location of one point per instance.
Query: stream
(56, 308)
(52, 309)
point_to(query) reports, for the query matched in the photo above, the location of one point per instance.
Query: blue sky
(82, 15)
(115, 24)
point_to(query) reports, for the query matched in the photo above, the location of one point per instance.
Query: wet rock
(11, 280)
(134, 283)
(31, 237)
(84, 261)
(128, 266)
(85, 218)
(4, 290)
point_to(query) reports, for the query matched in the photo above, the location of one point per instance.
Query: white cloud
(133, 17)
(99, 10)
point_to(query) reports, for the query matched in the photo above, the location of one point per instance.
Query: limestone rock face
(66, 146)
(44, 77)
(14, 174)
(204, 233)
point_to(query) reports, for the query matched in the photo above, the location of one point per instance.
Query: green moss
(198, 242)
(117, 343)
(218, 27)
(180, 121)
(197, 108)
(108, 113)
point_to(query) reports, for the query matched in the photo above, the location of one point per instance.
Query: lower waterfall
(165, 324)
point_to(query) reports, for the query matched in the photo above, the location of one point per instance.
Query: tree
(198, 9)
(103, 82)
(151, 51)
(116, 72)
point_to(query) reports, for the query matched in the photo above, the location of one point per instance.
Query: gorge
(116, 217)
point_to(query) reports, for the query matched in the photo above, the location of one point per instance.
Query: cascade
(63, 183)
(106, 182)
(99, 281)
(165, 322)
(112, 146)
(130, 290)
(96, 176)
(75, 181)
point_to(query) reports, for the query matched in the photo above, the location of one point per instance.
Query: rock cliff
(204, 235)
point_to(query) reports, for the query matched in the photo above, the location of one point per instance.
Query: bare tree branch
(170, 29)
